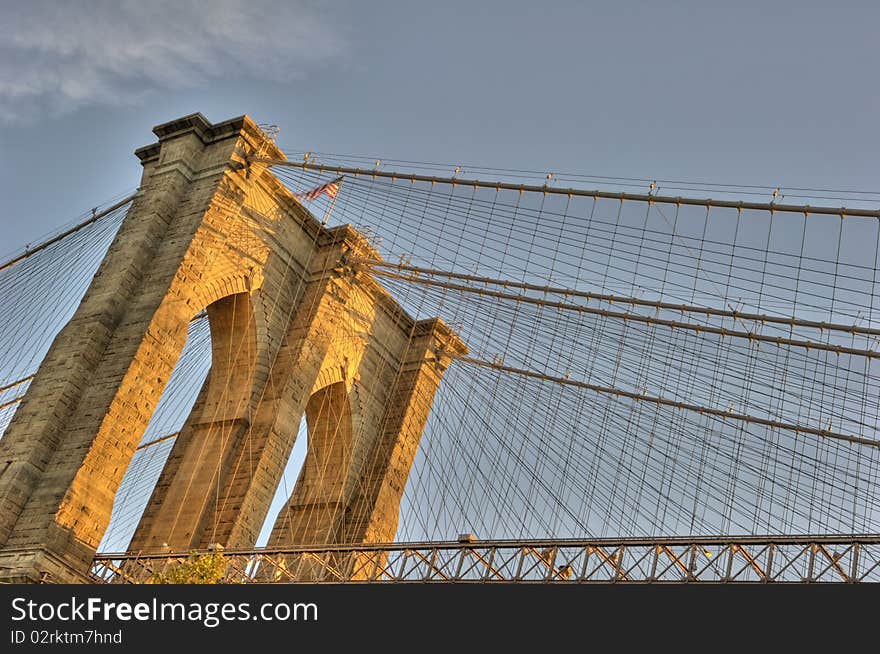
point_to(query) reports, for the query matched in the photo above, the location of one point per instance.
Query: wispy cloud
(56, 57)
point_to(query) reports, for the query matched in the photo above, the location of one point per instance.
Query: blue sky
(775, 93)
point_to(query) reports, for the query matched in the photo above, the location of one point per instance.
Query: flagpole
(329, 209)
(332, 203)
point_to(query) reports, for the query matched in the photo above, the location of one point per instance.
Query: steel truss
(764, 559)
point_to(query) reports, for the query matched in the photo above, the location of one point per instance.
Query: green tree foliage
(198, 568)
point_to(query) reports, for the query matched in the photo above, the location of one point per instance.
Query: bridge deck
(747, 559)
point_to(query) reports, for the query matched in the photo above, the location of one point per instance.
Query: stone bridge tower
(295, 329)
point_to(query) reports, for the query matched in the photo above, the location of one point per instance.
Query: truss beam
(759, 559)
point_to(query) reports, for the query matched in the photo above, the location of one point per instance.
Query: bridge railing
(779, 559)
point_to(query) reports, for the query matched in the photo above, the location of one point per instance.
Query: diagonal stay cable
(730, 415)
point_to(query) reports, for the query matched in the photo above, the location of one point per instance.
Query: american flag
(330, 188)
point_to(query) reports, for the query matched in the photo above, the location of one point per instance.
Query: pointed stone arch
(207, 444)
